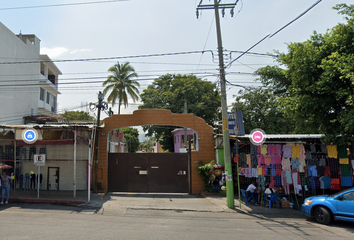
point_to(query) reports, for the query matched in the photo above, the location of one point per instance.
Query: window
(41, 94)
(48, 97)
(348, 196)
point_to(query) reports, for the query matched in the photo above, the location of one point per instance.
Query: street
(44, 221)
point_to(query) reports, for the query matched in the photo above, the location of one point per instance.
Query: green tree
(317, 80)
(147, 144)
(131, 138)
(170, 91)
(260, 109)
(77, 115)
(120, 84)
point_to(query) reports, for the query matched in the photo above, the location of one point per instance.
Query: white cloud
(80, 51)
(54, 52)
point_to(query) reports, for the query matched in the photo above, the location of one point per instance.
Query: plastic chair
(273, 198)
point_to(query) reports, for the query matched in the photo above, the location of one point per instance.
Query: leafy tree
(131, 138)
(317, 80)
(260, 109)
(77, 115)
(120, 84)
(169, 92)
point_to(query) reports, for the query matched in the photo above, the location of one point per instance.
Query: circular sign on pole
(257, 136)
(29, 135)
(39, 159)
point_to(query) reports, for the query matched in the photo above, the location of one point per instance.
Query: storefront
(66, 157)
(296, 165)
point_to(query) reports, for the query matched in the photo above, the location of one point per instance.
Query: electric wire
(61, 5)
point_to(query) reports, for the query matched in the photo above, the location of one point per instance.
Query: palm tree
(121, 85)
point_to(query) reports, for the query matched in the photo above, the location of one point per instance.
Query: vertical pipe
(15, 162)
(74, 164)
(89, 174)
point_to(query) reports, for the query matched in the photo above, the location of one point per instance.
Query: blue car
(324, 208)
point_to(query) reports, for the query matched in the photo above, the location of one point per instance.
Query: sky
(132, 29)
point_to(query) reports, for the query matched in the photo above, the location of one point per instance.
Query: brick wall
(206, 151)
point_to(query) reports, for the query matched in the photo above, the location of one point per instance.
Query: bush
(205, 170)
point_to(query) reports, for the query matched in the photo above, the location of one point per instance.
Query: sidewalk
(113, 203)
(221, 201)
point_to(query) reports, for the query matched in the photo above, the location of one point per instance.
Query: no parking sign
(39, 160)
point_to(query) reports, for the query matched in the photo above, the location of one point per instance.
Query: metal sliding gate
(148, 172)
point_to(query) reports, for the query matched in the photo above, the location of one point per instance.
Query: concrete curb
(47, 201)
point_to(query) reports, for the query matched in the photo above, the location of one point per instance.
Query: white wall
(17, 101)
(61, 156)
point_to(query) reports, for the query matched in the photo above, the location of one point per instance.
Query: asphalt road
(40, 221)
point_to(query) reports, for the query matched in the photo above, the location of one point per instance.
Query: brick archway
(206, 151)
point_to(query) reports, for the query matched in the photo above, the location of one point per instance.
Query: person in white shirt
(252, 190)
(269, 191)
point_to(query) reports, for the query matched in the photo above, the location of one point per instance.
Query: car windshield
(338, 193)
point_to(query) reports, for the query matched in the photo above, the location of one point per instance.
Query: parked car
(324, 208)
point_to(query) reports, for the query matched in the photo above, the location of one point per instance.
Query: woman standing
(6, 180)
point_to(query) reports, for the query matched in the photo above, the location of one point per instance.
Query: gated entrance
(148, 172)
(112, 177)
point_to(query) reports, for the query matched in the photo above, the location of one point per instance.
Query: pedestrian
(252, 190)
(6, 181)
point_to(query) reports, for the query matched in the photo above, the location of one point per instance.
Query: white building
(28, 80)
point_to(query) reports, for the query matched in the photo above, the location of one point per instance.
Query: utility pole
(226, 137)
(185, 129)
(101, 105)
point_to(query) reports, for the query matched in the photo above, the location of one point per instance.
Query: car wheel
(322, 215)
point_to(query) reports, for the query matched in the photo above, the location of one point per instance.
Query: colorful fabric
(344, 161)
(302, 152)
(332, 151)
(342, 151)
(295, 163)
(248, 157)
(243, 160)
(254, 172)
(322, 162)
(259, 170)
(272, 171)
(260, 159)
(278, 149)
(278, 159)
(346, 181)
(345, 170)
(272, 159)
(284, 183)
(253, 149)
(312, 171)
(302, 165)
(264, 149)
(278, 170)
(271, 149)
(267, 159)
(288, 177)
(286, 163)
(277, 181)
(287, 151)
(295, 151)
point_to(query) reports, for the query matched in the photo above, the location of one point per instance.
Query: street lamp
(101, 106)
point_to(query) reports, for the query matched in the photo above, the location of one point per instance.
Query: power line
(302, 14)
(60, 5)
(106, 58)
